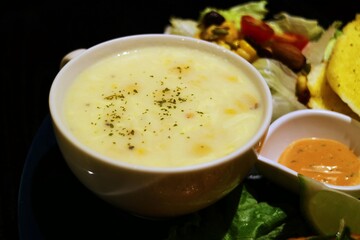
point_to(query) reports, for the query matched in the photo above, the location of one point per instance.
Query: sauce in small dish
(323, 159)
(321, 144)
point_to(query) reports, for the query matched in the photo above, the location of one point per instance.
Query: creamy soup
(325, 160)
(164, 107)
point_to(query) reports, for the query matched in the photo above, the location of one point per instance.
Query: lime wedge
(326, 208)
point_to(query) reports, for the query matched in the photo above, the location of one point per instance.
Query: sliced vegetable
(255, 29)
(295, 39)
(324, 207)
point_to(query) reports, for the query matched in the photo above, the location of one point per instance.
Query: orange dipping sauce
(325, 160)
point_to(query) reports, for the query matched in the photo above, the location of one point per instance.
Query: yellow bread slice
(343, 70)
(321, 94)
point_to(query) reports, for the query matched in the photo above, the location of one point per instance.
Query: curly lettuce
(282, 83)
(239, 216)
(257, 10)
(189, 27)
(284, 22)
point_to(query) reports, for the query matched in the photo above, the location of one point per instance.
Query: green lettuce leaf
(254, 220)
(189, 27)
(282, 83)
(256, 9)
(238, 216)
(284, 22)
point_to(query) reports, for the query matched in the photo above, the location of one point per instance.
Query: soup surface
(325, 160)
(163, 106)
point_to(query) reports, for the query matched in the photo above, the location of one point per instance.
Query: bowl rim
(301, 114)
(214, 48)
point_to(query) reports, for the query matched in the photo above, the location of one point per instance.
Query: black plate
(53, 204)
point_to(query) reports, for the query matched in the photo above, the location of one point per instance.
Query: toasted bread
(343, 69)
(321, 94)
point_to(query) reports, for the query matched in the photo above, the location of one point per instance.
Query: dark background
(36, 35)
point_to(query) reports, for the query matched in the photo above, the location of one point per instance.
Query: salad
(288, 51)
(283, 48)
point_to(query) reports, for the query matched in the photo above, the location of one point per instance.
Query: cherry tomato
(297, 40)
(256, 29)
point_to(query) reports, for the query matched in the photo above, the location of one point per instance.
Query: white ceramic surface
(145, 191)
(304, 124)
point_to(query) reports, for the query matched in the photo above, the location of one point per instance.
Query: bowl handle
(70, 56)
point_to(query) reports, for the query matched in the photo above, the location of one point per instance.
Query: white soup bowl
(154, 192)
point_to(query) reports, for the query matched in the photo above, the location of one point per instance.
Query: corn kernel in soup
(163, 106)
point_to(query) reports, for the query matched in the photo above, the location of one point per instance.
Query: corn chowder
(163, 106)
